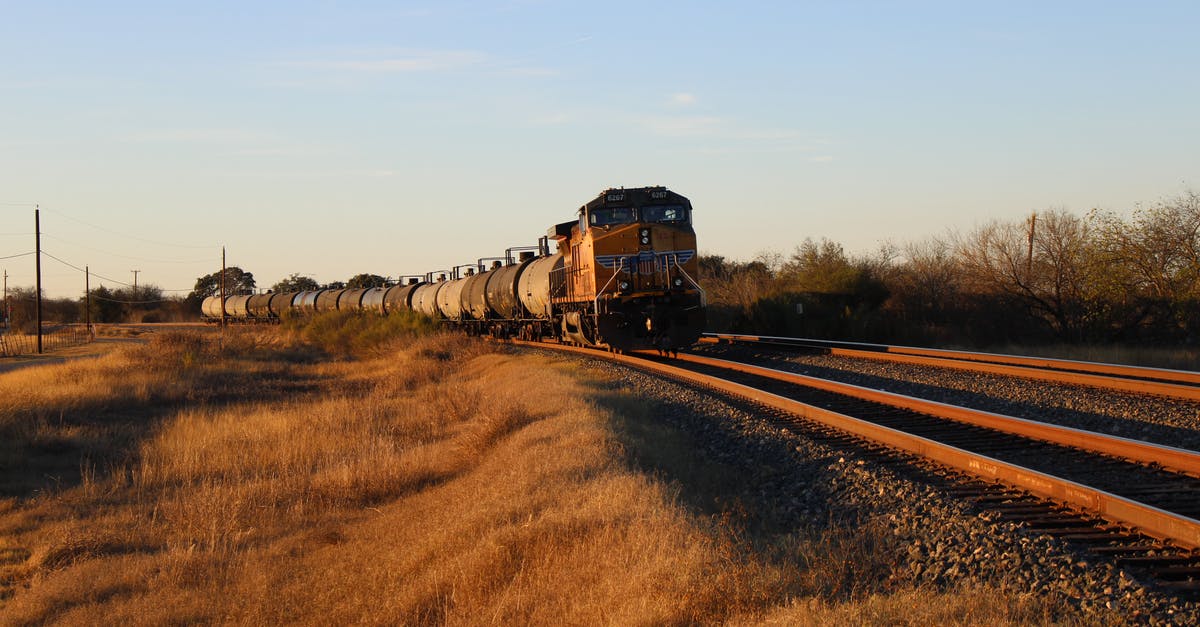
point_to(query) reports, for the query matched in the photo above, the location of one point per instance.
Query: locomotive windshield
(610, 215)
(664, 213)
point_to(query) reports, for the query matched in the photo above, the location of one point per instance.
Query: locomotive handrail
(616, 271)
(703, 295)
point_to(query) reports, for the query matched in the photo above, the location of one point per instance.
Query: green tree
(1153, 264)
(296, 283)
(22, 306)
(108, 305)
(824, 268)
(237, 281)
(366, 281)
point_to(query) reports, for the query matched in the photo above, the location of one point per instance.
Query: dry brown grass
(421, 486)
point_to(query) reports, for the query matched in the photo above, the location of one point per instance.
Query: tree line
(1055, 276)
(145, 304)
(148, 303)
(1101, 277)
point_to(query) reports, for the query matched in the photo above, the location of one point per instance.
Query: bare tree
(1046, 264)
(928, 280)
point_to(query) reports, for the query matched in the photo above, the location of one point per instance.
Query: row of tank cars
(621, 278)
(479, 295)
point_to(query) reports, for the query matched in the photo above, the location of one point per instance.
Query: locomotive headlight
(624, 285)
(678, 282)
(645, 235)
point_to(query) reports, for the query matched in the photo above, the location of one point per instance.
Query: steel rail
(1150, 520)
(1180, 384)
(1171, 458)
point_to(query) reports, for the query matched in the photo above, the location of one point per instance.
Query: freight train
(622, 277)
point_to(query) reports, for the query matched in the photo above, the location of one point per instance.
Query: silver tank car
(502, 301)
(281, 302)
(306, 302)
(327, 300)
(351, 299)
(211, 307)
(235, 306)
(533, 287)
(424, 299)
(474, 295)
(372, 300)
(449, 299)
(400, 297)
(259, 306)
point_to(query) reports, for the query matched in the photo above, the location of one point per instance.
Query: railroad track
(1181, 384)
(1136, 502)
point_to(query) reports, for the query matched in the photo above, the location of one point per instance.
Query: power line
(101, 276)
(99, 250)
(20, 255)
(132, 302)
(140, 239)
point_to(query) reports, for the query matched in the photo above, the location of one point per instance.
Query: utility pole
(135, 273)
(5, 311)
(37, 231)
(1029, 254)
(222, 287)
(87, 298)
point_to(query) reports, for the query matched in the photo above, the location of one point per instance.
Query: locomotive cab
(628, 275)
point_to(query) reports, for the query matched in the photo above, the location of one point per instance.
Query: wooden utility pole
(5, 310)
(222, 287)
(37, 233)
(87, 298)
(135, 273)
(1029, 254)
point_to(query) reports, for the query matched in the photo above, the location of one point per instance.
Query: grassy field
(293, 475)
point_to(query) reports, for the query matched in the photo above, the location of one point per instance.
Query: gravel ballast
(930, 538)
(1171, 422)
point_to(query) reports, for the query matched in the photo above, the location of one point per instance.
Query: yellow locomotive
(628, 272)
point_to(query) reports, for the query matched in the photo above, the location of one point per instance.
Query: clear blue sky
(332, 138)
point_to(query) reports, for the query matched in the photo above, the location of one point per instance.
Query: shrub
(347, 333)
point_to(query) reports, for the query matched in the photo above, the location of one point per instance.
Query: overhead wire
(131, 302)
(114, 232)
(134, 237)
(99, 250)
(101, 276)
